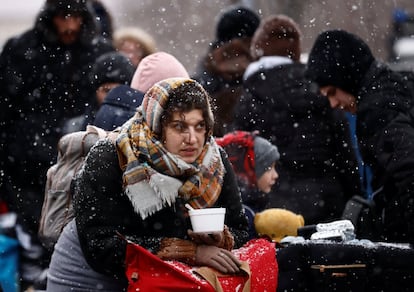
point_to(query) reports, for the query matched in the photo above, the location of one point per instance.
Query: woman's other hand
(218, 258)
(223, 239)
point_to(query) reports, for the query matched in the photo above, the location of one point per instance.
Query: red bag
(147, 272)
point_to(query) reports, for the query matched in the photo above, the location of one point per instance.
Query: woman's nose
(191, 139)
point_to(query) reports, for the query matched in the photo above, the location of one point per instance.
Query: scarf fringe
(148, 197)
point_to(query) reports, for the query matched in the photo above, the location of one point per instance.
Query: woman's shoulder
(104, 150)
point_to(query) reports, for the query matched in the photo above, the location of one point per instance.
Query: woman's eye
(179, 127)
(201, 127)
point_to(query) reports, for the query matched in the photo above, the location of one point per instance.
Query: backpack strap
(98, 131)
(96, 134)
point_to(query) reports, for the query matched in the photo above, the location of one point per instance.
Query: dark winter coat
(254, 201)
(317, 167)
(102, 209)
(385, 131)
(217, 74)
(42, 83)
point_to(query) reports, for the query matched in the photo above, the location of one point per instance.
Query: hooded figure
(353, 80)
(318, 166)
(43, 82)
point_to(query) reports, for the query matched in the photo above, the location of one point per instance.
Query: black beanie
(112, 67)
(340, 59)
(67, 6)
(236, 22)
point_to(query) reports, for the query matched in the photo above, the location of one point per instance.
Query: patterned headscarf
(153, 177)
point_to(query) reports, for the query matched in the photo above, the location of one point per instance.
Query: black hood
(44, 21)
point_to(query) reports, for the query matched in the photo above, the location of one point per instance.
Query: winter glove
(218, 258)
(177, 249)
(222, 239)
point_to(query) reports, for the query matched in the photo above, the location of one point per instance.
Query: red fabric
(239, 145)
(261, 256)
(146, 272)
(3, 207)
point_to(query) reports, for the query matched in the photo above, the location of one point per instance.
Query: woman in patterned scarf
(163, 158)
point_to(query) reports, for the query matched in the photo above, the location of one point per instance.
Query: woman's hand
(211, 238)
(222, 239)
(218, 258)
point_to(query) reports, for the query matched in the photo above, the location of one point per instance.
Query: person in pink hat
(121, 102)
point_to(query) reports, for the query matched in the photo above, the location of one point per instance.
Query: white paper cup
(207, 220)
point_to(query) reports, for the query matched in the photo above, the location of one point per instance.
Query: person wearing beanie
(236, 22)
(254, 162)
(109, 71)
(339, 58)
(121, 102)
(318, 164)
(119, 105)
(156, 67)
(220, 71)
(352, 80)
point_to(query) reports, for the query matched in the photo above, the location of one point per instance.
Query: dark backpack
(57, 208)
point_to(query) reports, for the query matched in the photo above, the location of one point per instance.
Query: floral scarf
(153, 177)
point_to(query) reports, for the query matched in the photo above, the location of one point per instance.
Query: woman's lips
(188, 151)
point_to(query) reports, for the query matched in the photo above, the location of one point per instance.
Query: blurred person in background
(109, 71)
(43, 82)
(317, 167)
(221, 70)
(121, 102)
(134, 42)
(352, 80)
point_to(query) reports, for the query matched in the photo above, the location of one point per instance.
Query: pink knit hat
(156, 67)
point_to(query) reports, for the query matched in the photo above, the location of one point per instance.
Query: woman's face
(185, 135)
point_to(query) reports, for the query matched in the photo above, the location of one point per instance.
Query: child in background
(254, 160)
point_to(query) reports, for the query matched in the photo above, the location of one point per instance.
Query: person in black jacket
(43, 82)
(317, 167)
(221, 70)
(164, 157)
(353, 80)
